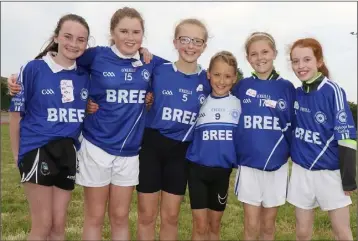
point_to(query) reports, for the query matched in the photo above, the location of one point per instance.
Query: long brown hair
(52, 46)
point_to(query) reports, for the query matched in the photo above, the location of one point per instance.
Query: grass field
(15, 219)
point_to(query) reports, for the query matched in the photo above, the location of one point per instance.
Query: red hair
(317, 51)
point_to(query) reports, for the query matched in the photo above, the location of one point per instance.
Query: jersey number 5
(185, 97)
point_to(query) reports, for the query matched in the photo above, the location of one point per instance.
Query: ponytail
(51, 47)
(324, 70)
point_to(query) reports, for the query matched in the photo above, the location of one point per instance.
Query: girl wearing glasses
(179, 89)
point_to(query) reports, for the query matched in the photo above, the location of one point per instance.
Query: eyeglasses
(187, 40)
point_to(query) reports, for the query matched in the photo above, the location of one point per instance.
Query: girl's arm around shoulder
(87, 58)
(157, 61)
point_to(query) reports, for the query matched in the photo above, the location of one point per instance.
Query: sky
(26, 26)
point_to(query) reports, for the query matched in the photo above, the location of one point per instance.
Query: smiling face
(72, 39)
(128, 35)
(190, 42)
(304, 63)
(222, 77)
(261, 55)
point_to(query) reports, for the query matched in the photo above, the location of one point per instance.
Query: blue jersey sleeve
(157, 61)
(343, 120)
(235, 89)
(87, 57)
(25, 79)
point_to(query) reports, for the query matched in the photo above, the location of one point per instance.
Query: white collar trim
(55, 67)
(198, 69)
(119, 54)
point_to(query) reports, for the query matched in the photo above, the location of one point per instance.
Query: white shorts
(310, 189)
(261, 188)
(97, 168)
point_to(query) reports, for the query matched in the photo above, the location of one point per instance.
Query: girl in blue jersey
(45, 122)
(212, 153)
(323, 147)
(108, 164)
(179, 89)
(264, 138)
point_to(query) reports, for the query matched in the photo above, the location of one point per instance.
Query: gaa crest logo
(84, 94)
(281, 104)
(342, 117)
(145, 75)
(320, 117)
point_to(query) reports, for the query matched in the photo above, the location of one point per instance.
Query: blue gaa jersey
(323, 117)
(52, 103)
(265, 130)
(213, 142)
(118, 86)
(177, 101)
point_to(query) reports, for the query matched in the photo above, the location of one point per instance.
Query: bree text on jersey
(65, 115)
(307, 136)
(217, 135)
(261, 122)
(177, 115)
(126, 96)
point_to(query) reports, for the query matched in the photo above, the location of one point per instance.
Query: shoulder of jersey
(234, 98)
(34, 64)
(285, 82)
(244, 80)
(328, 85)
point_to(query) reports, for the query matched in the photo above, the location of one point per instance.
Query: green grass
(15, 219)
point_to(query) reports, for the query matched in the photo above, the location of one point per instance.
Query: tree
(353, 108)
(240, 74)
(5, 98)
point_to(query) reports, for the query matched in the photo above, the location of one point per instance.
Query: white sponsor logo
(127, 70)
(109, 74)
(184, 91)
(71, 177)
(320, 117)
(270, 103)
(199, 88)
(167, 92)
(47, 92)
(251, 92)
(67, 91)
(296, 105)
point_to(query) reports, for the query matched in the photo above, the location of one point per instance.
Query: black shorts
(162, 164)
(53, 164)
(208, 186)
